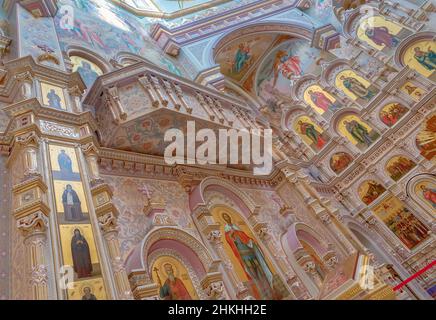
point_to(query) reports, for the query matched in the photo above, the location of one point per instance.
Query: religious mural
(53, 96)
(369, 191)
(413, 91)
(392, 113)
(75, 229)
(340, 161)
(248, 258)
(88, 70)
(399, 166)
(285, 64)
(426, 138)
(402, 222)
(355, 87)
(381, 34)
(237, 57)
(173, 279)
(311, 133)
(320, 100)
(421, 56)
(357, 131)
(426, 191)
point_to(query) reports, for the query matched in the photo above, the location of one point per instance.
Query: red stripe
(415, 276)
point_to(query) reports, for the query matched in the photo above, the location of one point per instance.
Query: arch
(177, 240)
(425, 184)
(408, 42)
(298, 232)
(126, 58)
(197, 198)
(90, 55)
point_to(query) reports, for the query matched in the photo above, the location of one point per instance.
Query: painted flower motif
(136, 137)
(164, 123)
(148, 146)
(146, 125)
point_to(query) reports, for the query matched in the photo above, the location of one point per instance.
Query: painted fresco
(107, 30)
(247, 257)
(399, 166)
(370, 190)
(237, 57)
(357, 131)
(340, 161)
(53, 96)
(426, 191)
(320, 100)
(401, 222)
(285, 64)
(381, 34)
(415, 92)
(173, 279)
(421, 57)
(392, 113)
(76, 233)
(426, 138)
(88, 70)
(311, 133)
(355, 87)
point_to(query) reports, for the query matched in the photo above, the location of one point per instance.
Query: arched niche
(88, 64)
(302, 246)
(370, 190)
(175, 243)
(418, 52)
(422, 190)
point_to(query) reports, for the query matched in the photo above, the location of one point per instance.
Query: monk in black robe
(81, 256)
(72, 205)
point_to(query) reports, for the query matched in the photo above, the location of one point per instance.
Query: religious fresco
(88, 70)
(370, 190)
(247, 257)
(76, 233)
(358, 132)
(426, 138)
(421, 56)
(53, 96)
(312, 134)
(399, 166)
(237, 57)
(320, 100)
(173, 279)
(426, 191)
(413, 91)
(340, 161)
(355, 87)
(401, 222)
(285, 64)
(380, 33)
(392, 113)
(107, 30)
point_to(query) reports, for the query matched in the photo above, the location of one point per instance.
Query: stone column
(26, 90)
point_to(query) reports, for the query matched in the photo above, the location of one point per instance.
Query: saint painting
(286, 64)
(323, 102)
(72, 205)
(370, 190)
(358, 132)
(173, 288)
(312, 133)
(250, 257)
(340, 161)
(427, 58)
(398, 167)
(88, 295)
(391, 113)
(357, 88)
(81, 255)
(65, 163)
(402, 222)
(380, 35)
(54, 101)
(88, 75)
(429, 194)
(242, 57)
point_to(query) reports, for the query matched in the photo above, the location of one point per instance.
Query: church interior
(91, 210)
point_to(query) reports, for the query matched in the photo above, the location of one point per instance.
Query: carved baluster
(179, 93)
(205, 106)
(171, 94)
(158, 89)
(149, 90)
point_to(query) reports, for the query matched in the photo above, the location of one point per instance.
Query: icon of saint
(54, 101)
(72, 204)
(173, 288)
(81, 255)
(88, 295)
